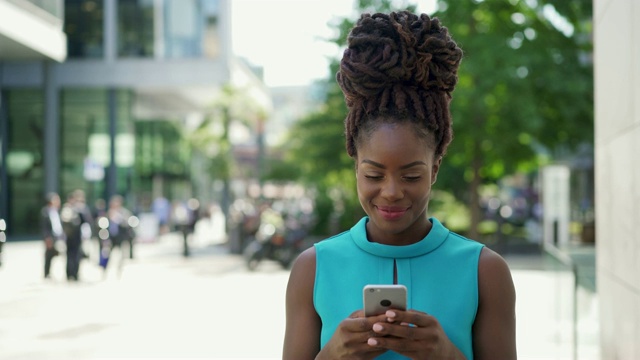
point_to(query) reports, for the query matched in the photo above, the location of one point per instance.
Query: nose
(392, 190)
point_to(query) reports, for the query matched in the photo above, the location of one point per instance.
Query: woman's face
(395, 170)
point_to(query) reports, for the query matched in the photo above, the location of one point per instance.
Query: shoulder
(301, 283)
(304, 268)
(495, 325)
(303, 325)
(492, 266)
(333, 246)
(495, 284)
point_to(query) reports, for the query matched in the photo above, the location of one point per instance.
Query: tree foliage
(524, 97)
(525, 90)
(212, 136)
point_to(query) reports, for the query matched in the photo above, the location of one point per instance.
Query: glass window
(83, 123)
(161, 148)
(85, 142)
(24, 160)
(135, 28)
(183, 28)
(162, 156)
(84, 28)
(191, 28)
(211, 37)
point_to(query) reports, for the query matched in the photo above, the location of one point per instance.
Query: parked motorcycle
(278, 244)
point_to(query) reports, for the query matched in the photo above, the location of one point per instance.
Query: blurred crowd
(106, 233)
(74, 229)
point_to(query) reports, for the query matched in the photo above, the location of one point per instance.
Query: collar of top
(436, 236)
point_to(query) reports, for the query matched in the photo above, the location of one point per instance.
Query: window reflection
(84, 28)
(135, 28)
(85, 141)
(145, 28)
(210, 39)
(24, 159)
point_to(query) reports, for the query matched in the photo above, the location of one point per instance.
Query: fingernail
(377, 327)
(390, 314)
(372, 342)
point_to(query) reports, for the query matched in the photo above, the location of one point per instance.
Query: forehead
(396, 140)
(405, 133)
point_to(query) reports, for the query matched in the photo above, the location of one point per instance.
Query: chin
(395, 226)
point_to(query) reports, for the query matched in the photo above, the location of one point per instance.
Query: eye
(412, 178)
(373, 177)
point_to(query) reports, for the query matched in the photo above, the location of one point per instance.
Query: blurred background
(210, 119)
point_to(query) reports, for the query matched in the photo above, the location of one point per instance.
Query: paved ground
(163, 306)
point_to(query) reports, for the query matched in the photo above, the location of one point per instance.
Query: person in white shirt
(51, 229)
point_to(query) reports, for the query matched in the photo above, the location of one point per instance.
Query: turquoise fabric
(440, 273)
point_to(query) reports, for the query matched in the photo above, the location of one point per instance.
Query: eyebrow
(411, 164)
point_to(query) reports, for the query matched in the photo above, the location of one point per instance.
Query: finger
(362, 324)
(402, 330)
(390, 342)
(414, 317)
(401, 346)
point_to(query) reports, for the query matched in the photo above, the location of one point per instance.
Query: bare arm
(494, 330)
(303, 325)
(302, 334)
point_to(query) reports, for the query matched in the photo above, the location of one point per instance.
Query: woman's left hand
(414, 334)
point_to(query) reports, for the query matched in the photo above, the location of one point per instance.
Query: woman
(397, 75)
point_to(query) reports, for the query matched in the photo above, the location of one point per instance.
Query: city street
(163, 306)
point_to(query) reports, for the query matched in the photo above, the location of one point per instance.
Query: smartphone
(378, 299)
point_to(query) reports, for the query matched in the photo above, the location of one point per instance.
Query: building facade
(617, 144)
(107, 117)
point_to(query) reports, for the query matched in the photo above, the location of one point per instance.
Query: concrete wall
(617, 142)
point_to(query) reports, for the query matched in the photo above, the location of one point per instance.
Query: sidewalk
(544, 311)
(209, 306)
(162, 306)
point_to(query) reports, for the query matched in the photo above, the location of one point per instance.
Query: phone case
(379, 298)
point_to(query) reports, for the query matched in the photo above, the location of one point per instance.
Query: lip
(391, 212)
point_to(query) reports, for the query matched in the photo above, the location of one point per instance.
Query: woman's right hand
(349, 341)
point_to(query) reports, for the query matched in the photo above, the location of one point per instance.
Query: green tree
(524, 97)
(212, 136)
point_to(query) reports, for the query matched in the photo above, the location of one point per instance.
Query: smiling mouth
(391, 213)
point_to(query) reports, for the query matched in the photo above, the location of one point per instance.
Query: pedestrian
(397, 75)
(52, 231)
(161, 208)
(120, 230)
(184, 216)
(76, 217)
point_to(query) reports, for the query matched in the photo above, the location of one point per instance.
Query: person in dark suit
(119, 228)
(52, 229)
(74, 215)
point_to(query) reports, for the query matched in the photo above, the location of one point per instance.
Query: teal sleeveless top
(440, 273)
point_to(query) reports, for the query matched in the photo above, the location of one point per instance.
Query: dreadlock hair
(399, 67)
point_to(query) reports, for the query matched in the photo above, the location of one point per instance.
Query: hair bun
(398, 49)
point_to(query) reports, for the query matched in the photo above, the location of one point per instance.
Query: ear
(435, 168)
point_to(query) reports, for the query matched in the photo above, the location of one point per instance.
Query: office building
(102, 107)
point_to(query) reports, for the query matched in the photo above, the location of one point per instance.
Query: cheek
(364, 188)
(421, 193)
(361, 187)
